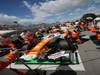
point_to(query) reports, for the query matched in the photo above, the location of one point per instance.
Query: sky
(28, 12)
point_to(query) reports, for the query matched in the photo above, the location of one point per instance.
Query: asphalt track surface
(89, 57)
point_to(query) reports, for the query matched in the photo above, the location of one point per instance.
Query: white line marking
(86, 37)
(78, 67)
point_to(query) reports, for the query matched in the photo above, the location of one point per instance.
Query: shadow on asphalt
(84, 40)
(64, 72)
(98, 48)
(60, 71)
(95, 40)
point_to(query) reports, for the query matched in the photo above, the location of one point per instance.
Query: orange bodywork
(11, 57)
(71, 27)
(37, 49)
(79, 41)
(83, 26)
(3, 65)
(66, 34)
(98, 36)
(11, 45)
(75, 35)
(93, 29)
(45, 50)
(7, 43)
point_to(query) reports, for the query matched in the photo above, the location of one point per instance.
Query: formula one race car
(52, 50)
